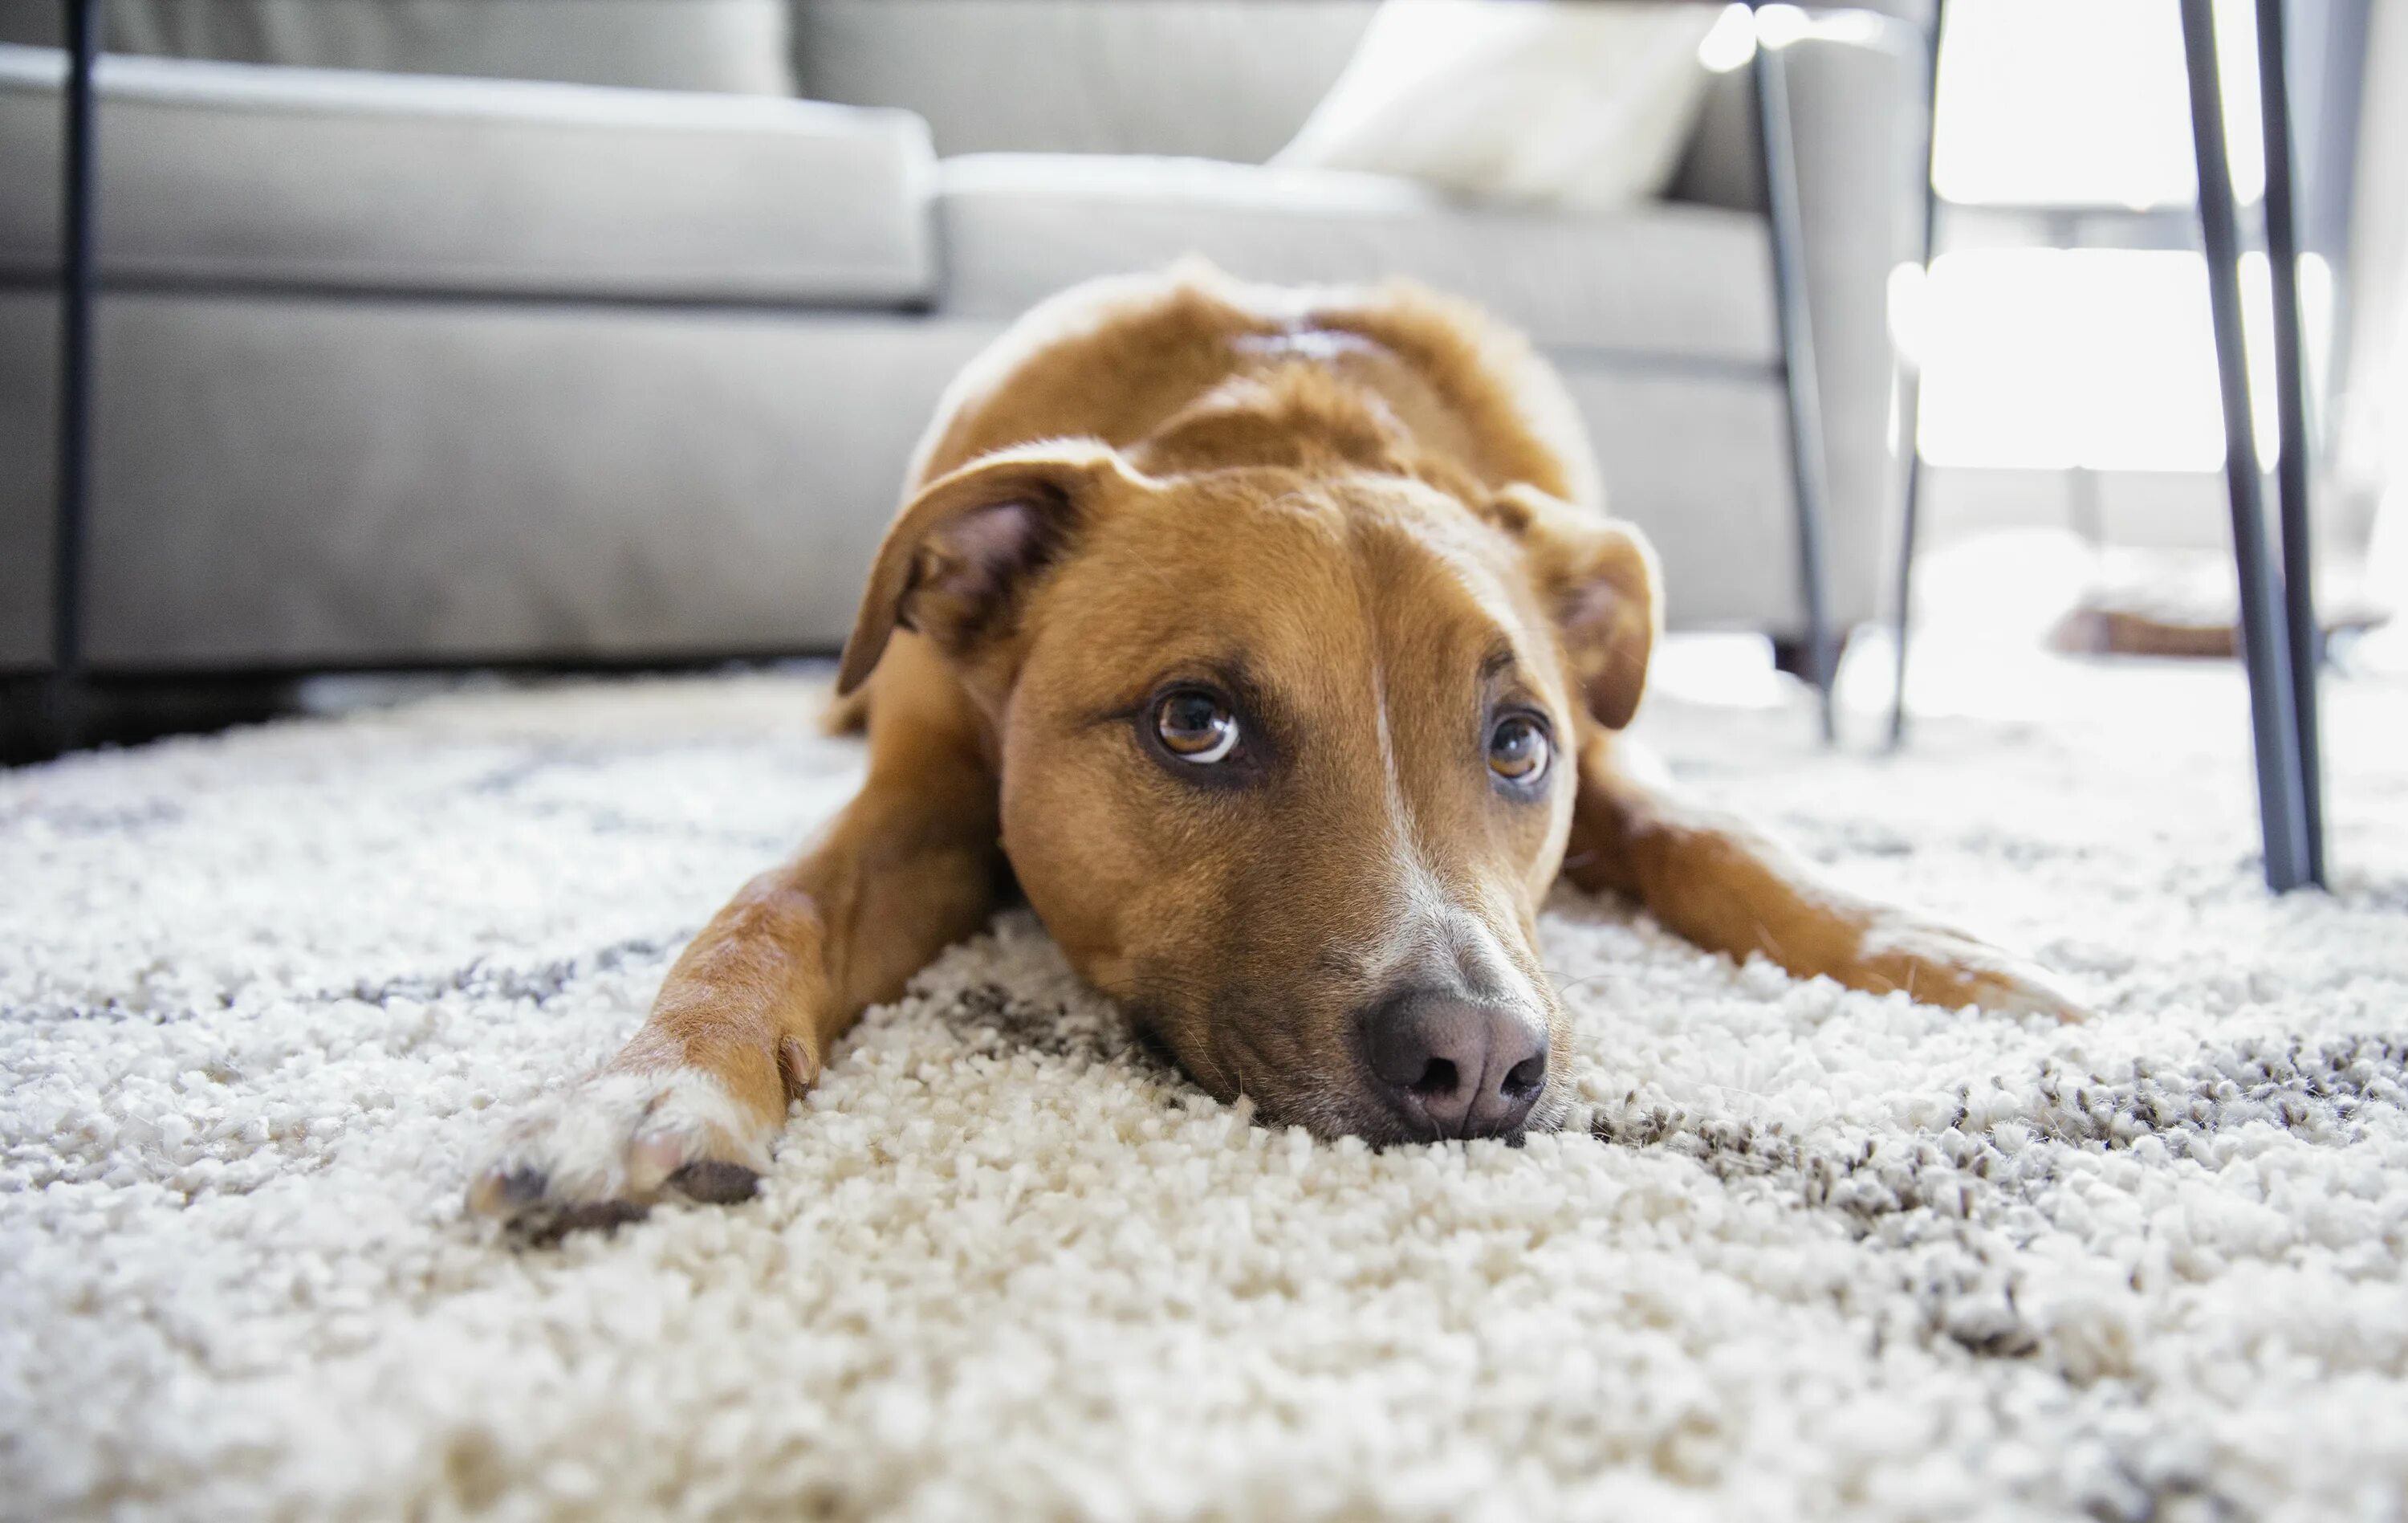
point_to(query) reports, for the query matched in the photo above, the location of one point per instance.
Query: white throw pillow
(1577, 105)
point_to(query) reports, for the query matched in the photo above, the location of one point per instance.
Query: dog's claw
(715, 1182)
(593, 1216)
(493, 1192)
(515, 1198)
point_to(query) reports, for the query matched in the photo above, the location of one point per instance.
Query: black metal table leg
(2293, 475)
(72, 474)
(1799, 377)
(1910, 400)
(2281, 806)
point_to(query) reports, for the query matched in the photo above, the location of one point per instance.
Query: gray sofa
(398, 366)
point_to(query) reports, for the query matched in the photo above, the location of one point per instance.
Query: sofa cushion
(731, 45)
(1217, 79)
(289, 480)
(1568, 106)
(1668, 281)
(252, 175)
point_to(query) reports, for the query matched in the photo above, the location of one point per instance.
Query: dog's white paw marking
(1939, 965)
(601, 1151)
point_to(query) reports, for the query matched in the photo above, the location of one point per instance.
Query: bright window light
(2085, 103)
(2104, 359)
(1731, 43)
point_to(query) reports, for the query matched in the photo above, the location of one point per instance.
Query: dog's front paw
(602, 1151)
(1936, 965)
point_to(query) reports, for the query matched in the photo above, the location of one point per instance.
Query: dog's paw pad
(501, 1190)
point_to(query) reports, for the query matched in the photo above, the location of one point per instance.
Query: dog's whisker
(1563, 984)
(1141, 988)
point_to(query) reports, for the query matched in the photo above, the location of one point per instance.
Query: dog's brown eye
(1196, 727)
(1518, 750)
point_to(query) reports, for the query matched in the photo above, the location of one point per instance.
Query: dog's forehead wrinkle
(1431, 588)
(1317, 578)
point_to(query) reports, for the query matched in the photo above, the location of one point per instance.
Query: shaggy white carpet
(269, 997)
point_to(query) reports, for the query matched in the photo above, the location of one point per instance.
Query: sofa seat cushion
(252, 175)
(1661, 280)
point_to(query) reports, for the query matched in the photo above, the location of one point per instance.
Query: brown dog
(1275, 643)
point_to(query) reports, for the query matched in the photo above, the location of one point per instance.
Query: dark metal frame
(1909, 399)
(2306, 638)
(72, 471)
(2279, 643)
(1770, 74)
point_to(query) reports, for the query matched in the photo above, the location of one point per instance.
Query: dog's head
(1288, 761)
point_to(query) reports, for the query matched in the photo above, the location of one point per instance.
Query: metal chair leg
(1798, 375)
(72, 472)
(2293, 471)
(2281, 806)
(1909, 404)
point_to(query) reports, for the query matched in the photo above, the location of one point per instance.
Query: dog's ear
(1597, 577)
(956, 561)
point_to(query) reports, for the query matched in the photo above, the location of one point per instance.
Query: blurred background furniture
(620, 356)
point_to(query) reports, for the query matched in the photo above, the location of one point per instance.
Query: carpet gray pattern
(266, 999)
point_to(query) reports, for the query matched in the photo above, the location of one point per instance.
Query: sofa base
(311, 481)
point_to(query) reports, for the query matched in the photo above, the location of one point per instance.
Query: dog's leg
(1728, 888)
(748, 1014)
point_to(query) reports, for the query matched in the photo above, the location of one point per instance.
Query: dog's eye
(1518, 750)
(1196, 727)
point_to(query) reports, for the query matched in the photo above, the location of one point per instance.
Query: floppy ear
(955, 563)
(1598, 576)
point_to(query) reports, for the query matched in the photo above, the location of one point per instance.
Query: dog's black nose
(1457, 1068)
